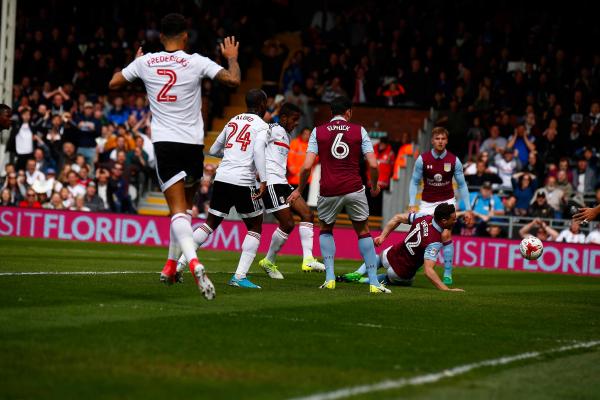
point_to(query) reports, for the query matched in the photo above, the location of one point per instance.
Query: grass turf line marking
(437, 376)
(75, 273)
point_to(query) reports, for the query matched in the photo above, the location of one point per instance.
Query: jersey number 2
(243, 137)
(416, 242)
(164, 96)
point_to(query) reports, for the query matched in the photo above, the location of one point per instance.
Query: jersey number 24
(243, 137)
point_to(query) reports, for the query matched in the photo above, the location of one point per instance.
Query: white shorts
(429, 208)
(356, 205)
(392, 277)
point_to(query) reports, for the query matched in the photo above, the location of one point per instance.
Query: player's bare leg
(249, 249)
(306, 230)
(182, 229)
(367, 251)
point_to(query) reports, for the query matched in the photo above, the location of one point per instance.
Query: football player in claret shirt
(420, 247)
(340, 146)
(436, 168)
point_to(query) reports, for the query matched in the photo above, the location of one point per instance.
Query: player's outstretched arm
(587, 214)
(118, 80)
(216, 150)
(232, 76)
(430, 273)
(390, 227)
(260, 163)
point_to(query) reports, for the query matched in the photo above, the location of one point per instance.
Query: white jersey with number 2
(241, 144)
(173, 81)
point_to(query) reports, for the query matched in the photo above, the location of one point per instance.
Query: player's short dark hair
(4, 108)
(340, 105)
(443, 211)
(172, 24)
(438, 130)
(289, 109)
(255, 98)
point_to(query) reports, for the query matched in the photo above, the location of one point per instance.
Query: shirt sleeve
(208, 68)
(432, 250)
(216, 150)
(462, 185)
(133, 70)
(413, 186)
(313, 147)
(366, 145)
(259, 154)
(498, 206)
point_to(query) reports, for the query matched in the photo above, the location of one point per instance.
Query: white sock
(181, 225)
(306, 238)
(277, 240)
(174, 249)
(200, 235)
(249, 249)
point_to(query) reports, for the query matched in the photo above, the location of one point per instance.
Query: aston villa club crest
(447, 167)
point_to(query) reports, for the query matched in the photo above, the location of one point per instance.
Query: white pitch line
(76, 273)
(437, 376)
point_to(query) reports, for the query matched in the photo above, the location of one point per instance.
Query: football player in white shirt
(278, 190)
(173, 80)
(241, 145)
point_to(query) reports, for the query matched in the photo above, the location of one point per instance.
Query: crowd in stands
(515, 85)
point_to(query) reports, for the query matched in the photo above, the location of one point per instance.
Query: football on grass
(531, 248)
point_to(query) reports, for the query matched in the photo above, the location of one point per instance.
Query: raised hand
(229, 47)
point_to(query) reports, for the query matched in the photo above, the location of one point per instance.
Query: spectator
(591, 127)
(295, 96)
(549, 147)
(119, 113)
(102, 178)
(333, 90)
(524, 186)
(16, 188)
(42, 161)
(118, 191)
(55, 203)
(539, 207)
(21, 142)
(30, 200)
(574, 143)
(522, 143)
(469, 227)
(554, 195)
(68, 155)
(571, 235)
(584, 178)
(494, 231)
(73, 186)
(298, 147)
(510, 204)
(89, 130)
(6, 198)
(495, 143)
(79, 205)
(507, 165)
(594, 236)
(483, 174)
(202, 199)
(32, 174)
(485, 204)
(362, 89)
(562, 182)
(539, 229)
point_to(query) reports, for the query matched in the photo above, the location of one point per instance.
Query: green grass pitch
(128, 337)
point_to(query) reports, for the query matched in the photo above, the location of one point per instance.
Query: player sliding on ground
(278, 190)
(241, 144)
(421, 246)
(340, 146)
(173, 79)
(436, 169)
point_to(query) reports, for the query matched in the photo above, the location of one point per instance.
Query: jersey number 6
(164, 96)
(339, 149)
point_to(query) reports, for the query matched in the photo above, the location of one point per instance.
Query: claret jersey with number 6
(173, 82)
(236, 146)
(340, 146)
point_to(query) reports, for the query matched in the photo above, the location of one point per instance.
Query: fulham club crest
(447, 167)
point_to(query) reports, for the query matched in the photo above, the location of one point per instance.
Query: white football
(531, 248)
